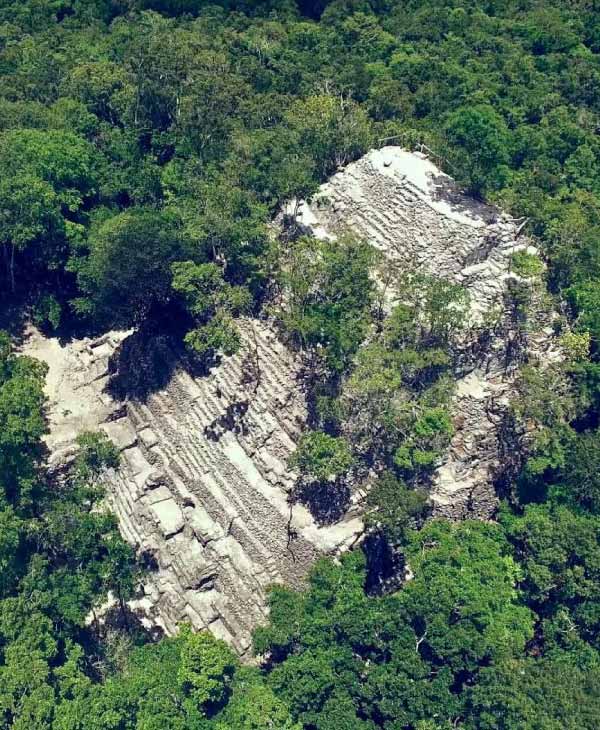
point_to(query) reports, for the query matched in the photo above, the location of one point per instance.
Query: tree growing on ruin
(212, 304)
(320, 457)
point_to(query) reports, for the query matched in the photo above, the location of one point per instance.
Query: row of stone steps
(254, 551)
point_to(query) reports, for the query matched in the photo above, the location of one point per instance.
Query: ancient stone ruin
(203, 486)
(203, 483)
(413, 213)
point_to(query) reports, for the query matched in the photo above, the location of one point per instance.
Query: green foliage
(48, 176)
(125, 271)
(440, 309)
(96, 453)
(395, 507)
(404, 658)
(534, 694)
(22, 425)
(580, 477)
(328, 292)
(394, 403)
(465, 578)
(224, 221)
(576, 346)
(430, 433)
(544, 407)
(254, 706)
(481, 139)
(333, 130)
(275, 166)
(145, 695)
(206, 668)
(67, 162)
(60, 554)
(321, 457)
(585, 299)
(211, 303)
(559, 552)
(526, 264)
(30, 220)
(47, 312)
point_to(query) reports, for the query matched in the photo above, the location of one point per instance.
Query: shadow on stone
(148, 561)
(445, 189)
(146, 360)
(130, 621)
(232, 420)
(327, 501)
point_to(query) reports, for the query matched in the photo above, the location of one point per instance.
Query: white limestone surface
(415, 215)
(204, 495)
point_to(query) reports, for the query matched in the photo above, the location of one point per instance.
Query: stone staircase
(220, 527)
(203, 481)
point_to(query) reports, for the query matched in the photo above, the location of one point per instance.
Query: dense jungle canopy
(145, 146)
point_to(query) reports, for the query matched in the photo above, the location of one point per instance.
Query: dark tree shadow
(447, 190)
(129, 621)
(508, 484)
(232, 420)
(482, 252)
(148, 561)
(312, 8)
(146, 360)
(143, 363)
(385, 565)
(13, 319)
(327, 502)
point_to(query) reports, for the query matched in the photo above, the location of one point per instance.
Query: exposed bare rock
(203, 482)
(77, 375)
(414, 214)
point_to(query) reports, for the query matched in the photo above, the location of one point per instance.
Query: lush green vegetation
(144, 146)
(60, 556)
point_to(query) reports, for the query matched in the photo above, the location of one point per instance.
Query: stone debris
(414, 214)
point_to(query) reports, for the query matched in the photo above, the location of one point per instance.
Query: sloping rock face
(408, 209)
(202, 487)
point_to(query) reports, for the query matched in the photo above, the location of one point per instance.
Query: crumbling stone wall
(203, 482)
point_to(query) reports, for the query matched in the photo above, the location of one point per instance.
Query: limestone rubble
(203, 485)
